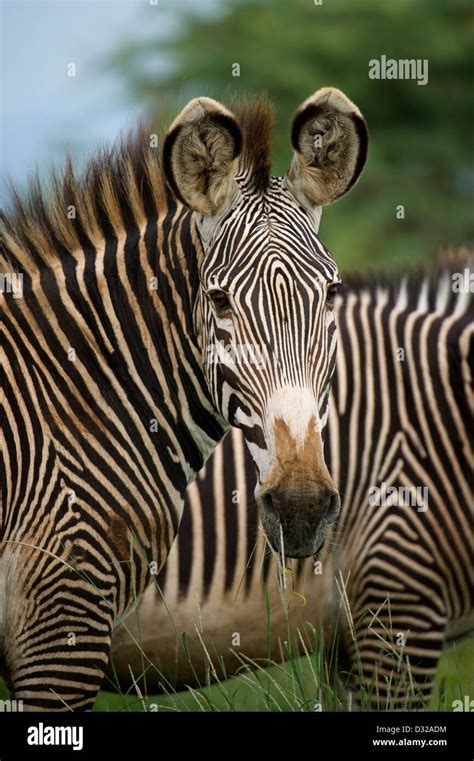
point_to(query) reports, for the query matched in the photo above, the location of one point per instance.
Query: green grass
(305, 676)
(293, 686)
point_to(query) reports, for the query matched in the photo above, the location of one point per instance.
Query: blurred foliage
(421, 136)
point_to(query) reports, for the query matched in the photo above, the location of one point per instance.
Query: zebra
(401, 413)
(132, 275)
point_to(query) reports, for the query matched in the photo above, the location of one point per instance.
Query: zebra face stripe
(268, 344)
(261, 313)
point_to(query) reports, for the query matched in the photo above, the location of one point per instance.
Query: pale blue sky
(43, 110)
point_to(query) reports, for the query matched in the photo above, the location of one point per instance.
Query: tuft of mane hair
(256, 119)
(120, 187)
(448, 262)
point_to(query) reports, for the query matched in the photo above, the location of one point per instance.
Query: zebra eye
(331, 293)
(220, 300)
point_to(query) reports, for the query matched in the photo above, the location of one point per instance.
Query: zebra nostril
(334, 506)
(271, 504)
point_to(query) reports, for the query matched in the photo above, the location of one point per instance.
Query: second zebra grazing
(401, 414)
(128, 283)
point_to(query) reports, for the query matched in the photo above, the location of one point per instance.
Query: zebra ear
(330, 137)
(200, 156)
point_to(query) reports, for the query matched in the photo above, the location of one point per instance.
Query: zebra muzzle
(298, 516)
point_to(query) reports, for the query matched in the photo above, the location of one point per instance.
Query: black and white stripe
(109, 406)
(405, 422)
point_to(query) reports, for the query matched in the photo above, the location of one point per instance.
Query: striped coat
(116, 288)
(401, 416)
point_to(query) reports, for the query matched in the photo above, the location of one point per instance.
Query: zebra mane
(430, 276)
(120, 187)
(256, 121)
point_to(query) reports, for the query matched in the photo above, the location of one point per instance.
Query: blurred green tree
(421, 135)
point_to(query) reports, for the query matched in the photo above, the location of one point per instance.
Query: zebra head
(264, 312)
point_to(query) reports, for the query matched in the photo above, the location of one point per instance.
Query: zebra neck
(118, 317)
(385, 416)
(170, 297)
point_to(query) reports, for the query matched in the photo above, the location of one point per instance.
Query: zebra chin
(295, 524)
